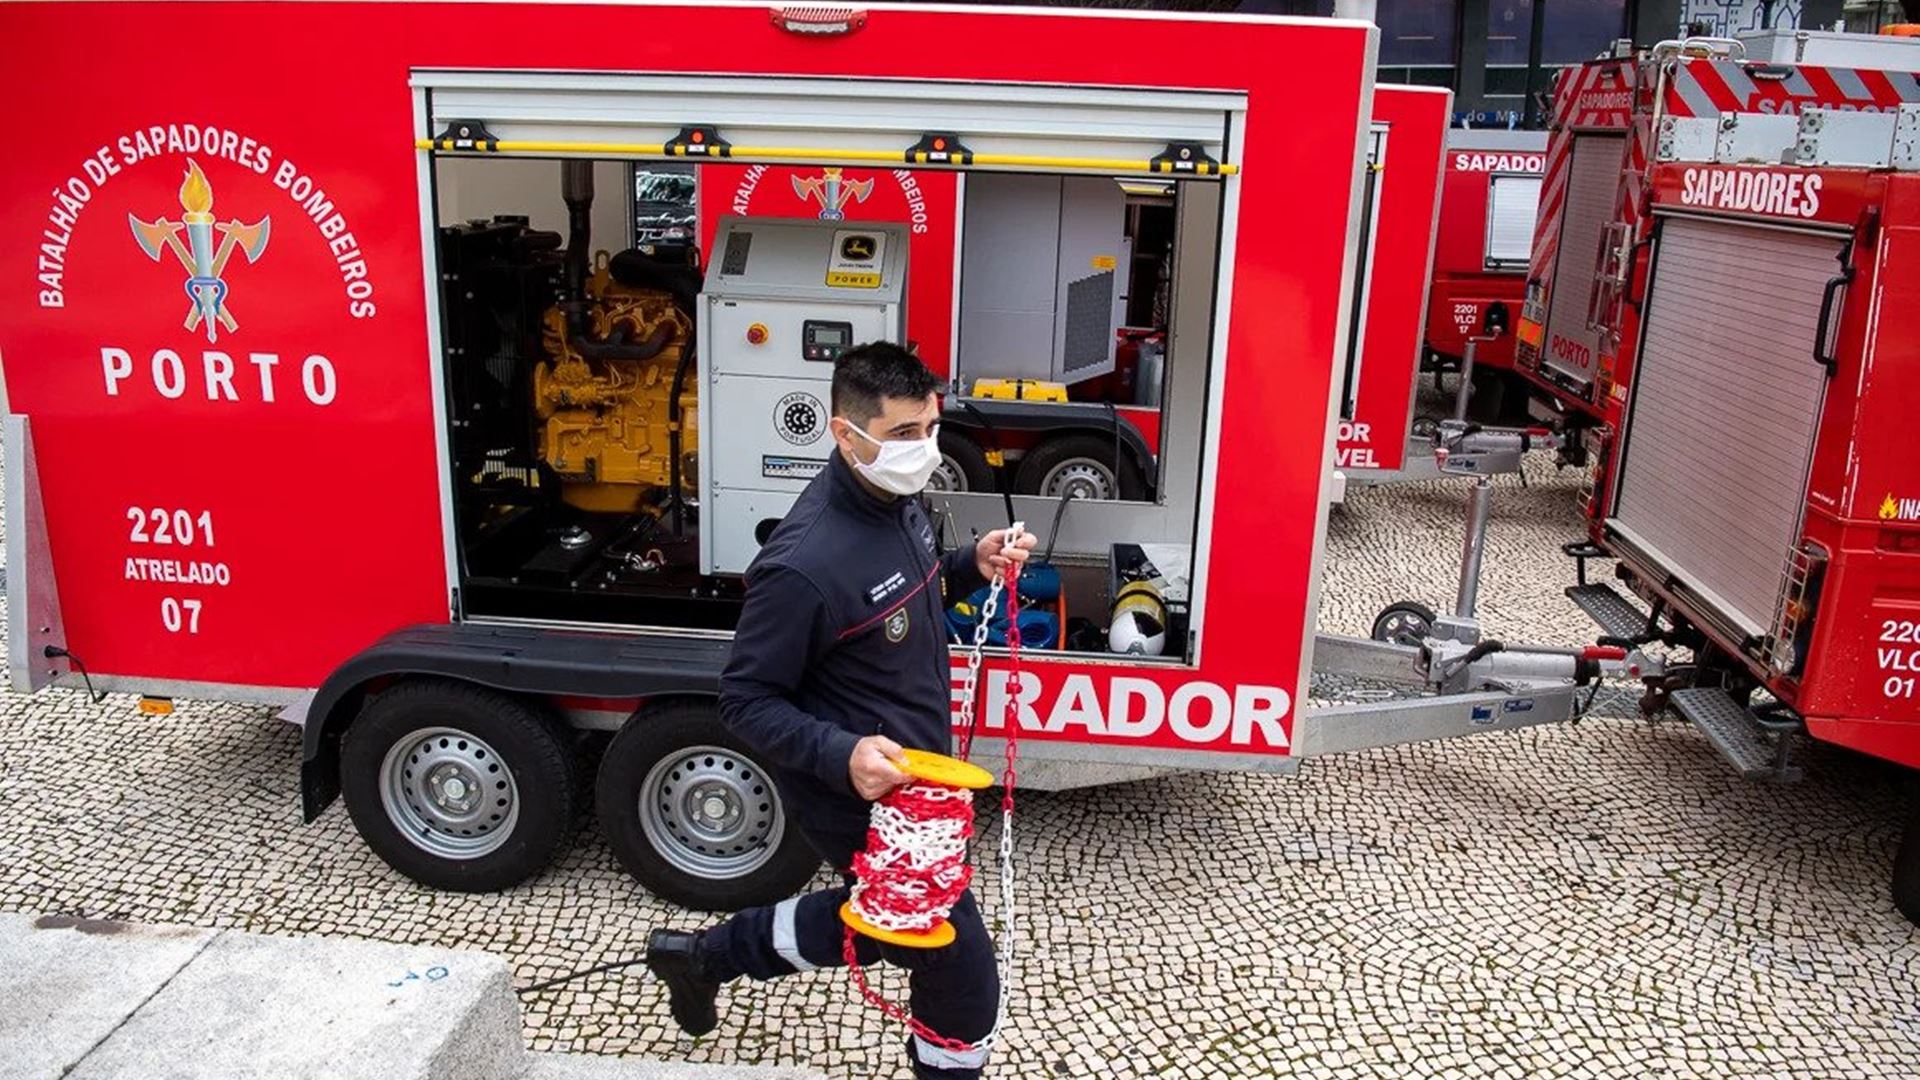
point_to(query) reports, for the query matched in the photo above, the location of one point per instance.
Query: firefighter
(839, 661)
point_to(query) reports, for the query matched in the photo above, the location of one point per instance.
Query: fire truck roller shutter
(832, 121)
(1511, 205)
(1726, 399)
(1593, 179)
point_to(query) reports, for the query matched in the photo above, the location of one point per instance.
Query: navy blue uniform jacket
(843, 635)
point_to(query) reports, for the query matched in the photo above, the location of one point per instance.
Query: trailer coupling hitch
(1464, 448)
(1493, 663)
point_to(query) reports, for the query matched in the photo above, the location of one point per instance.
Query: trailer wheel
(963, 465)
(694, 815)
(459, 787)
(1405, 622)
(1906, 866)
(1090, 466)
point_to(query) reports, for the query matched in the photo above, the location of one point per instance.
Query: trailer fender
(523, 660)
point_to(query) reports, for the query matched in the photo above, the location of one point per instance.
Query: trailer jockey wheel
(694, 815)
(1405, 622)
(963, 465)
(459, 787)
(1090, 466)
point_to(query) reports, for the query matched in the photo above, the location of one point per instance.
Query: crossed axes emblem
(833, 191)
(206, 288)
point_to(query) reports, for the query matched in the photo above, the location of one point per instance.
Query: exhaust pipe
(576, 187)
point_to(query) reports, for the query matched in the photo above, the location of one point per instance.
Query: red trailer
(1377, 442)
(1762, 493)
(1487, 209)
(1576, 335)
(328, 400)
(1401, 204)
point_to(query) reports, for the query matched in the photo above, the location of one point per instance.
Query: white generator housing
(783, 298)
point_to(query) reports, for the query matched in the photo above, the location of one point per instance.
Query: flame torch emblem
(1889, 509)
(205, 285)
(832, 191)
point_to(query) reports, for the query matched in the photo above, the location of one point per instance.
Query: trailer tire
(413, 762)
(694, 815)
(963, 465)
(1093, 465)
(1403, 622)
(1906, 865)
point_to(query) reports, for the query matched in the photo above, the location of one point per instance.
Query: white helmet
(1139, 625)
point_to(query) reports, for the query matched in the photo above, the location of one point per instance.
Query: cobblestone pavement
(1603, 899)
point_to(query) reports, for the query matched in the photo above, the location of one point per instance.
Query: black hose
(1059, 512)
(1113, 418)
(615, 966)
(993, 437)
(55, 652)
(674, 413)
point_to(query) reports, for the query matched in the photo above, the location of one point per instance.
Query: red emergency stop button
(757, 334)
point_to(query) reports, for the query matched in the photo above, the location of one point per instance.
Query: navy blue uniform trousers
(955, 990)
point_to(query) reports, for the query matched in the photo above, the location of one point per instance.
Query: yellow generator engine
(604, 397)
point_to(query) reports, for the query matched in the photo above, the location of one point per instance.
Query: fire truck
(1761, 494)
(1577, 331)
(1488, 204)
(393, 425)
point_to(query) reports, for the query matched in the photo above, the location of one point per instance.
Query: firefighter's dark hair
(866, 375)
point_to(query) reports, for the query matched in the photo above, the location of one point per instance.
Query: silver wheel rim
(947, 476)
(711, 812)
(1085, 477)
(449, 793)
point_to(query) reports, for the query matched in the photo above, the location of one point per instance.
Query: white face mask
(904, 465)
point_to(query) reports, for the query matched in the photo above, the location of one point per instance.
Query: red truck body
(1576, 335)
(1487, 209)
(1763, 485)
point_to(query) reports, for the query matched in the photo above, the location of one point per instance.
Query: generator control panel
(784, 299)
(825, 341)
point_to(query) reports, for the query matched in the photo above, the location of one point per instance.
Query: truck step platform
(1618, 616)
(1733, 731)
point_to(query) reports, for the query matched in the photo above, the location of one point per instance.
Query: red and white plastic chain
(1002, 583)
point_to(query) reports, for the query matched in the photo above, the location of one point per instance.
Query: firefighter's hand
(992, 554)
(872, 767)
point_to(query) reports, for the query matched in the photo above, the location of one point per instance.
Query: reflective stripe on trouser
(954, 990)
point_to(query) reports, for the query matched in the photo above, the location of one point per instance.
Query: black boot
(679, 960)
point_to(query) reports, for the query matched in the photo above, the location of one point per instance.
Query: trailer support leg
(1464, 391)
(1473, 551)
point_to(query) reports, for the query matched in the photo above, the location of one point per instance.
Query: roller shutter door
(1593, 186)
(1512, 202)
(767, 118)
(1726, 399)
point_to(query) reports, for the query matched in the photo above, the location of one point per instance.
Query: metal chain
(970, 688)
(1000, 585)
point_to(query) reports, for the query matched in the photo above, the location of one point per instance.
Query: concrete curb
(98, 1000)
